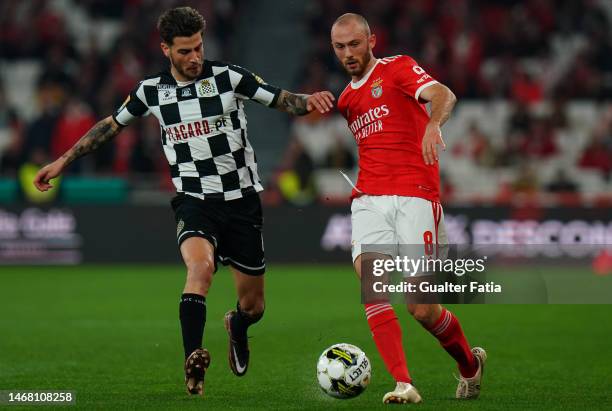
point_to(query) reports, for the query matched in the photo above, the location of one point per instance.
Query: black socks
(192, 312)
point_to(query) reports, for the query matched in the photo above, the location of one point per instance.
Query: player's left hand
(321, 100)
(431, 140)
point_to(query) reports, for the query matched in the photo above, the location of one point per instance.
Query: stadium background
(529, 146)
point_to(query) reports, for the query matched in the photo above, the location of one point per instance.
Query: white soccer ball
(343, 371)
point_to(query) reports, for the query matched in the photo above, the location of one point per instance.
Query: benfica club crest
(377, 88)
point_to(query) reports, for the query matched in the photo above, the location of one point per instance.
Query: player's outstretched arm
(301, 104)
(442, 102)
(100, 133)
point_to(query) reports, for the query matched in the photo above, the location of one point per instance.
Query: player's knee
(200, 272)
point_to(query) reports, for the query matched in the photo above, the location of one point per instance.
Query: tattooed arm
(99, 134)
(102, 132)
(301, 104)
(292, 103)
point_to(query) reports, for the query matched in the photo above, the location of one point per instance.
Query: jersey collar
(168, 78)
(356, 85)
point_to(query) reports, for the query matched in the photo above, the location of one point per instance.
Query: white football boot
(402, 394)
(469, 388)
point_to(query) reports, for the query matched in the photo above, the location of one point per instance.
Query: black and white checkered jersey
(204, 127)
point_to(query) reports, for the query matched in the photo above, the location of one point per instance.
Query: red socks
(448, 331)
(387, 335)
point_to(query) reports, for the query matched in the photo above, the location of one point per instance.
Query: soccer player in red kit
(396, 198)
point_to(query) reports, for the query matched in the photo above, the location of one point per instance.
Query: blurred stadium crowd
(534, 80)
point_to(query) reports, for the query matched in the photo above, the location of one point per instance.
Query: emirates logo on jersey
(369, 122)
(377, 88)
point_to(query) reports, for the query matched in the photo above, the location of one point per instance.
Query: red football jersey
(388, 121)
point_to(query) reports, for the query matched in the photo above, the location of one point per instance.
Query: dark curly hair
(180, 22)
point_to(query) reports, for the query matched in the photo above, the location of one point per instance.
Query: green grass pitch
(111, 334)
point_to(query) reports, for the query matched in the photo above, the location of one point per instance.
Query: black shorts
(233, 227)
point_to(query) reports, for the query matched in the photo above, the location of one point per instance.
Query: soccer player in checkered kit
(396, 198)
(200, 107)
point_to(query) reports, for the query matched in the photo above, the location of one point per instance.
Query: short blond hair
(349, 17)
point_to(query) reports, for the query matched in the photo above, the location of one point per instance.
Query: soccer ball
(343, 371)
